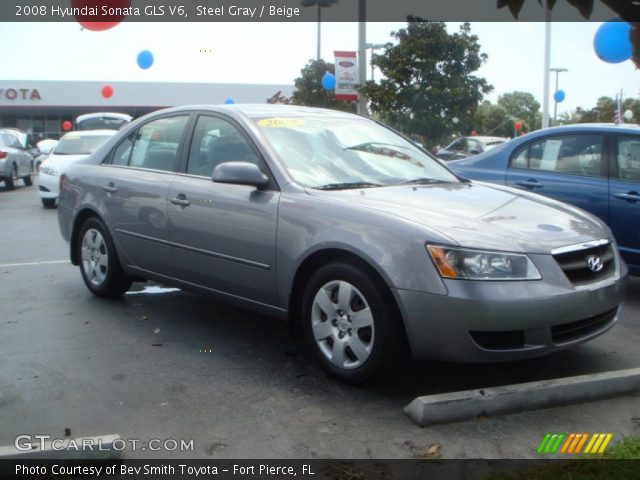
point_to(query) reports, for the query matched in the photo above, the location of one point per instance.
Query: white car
(72, 147)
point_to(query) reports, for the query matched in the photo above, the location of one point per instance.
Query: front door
(223, 236)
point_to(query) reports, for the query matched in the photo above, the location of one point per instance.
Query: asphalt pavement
(160, 364)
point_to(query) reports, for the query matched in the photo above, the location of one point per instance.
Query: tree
(522, 106)
(310, 92)
(603, 112)
(428, 88)
(492, 119)
(627, 10)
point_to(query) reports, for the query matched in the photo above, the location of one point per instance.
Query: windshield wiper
(366, 145)
(423, 181)
(347, 185)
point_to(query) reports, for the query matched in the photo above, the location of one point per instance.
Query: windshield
(79, 145)
(101, 123)
(338, 153)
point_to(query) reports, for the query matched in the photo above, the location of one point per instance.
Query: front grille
(43, 189)
(505, 340)
(575, 264)
(572, 331)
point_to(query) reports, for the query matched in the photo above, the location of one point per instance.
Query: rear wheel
(48, 202)
(10, 182)
(99, 264)
(27, 180)
(350, 324)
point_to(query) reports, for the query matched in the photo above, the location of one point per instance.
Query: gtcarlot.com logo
(574, 443)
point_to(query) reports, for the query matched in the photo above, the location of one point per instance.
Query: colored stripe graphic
(574, 442)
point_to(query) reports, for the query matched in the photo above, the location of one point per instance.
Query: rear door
(624, 198)
(568, 167)
(135, 190)
(223, 236)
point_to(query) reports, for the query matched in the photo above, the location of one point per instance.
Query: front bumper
(48, 185)
(480, 321)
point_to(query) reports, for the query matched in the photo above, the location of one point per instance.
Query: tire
(10, 182)
(354, 354)
(99, 264)
(48, 202)
(27, 180)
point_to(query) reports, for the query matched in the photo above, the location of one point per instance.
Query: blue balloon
(559, 96)
(229, 101)
(329, 81)
(145, 59)
(612, 43)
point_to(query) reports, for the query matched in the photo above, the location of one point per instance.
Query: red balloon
(107, 91)
(474, 133)
(90, 22)
(66, 125)
(518, 125)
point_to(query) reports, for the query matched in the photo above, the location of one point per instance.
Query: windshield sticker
(280, 122)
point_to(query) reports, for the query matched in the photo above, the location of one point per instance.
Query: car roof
(484, 138)
(596, 127)
(264, 110)
(87, 116)
(91, 133)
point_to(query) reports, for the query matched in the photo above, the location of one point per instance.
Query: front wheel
(48, 202)
(99, 264)
(350, 323)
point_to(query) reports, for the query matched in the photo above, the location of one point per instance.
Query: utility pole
(362, 54)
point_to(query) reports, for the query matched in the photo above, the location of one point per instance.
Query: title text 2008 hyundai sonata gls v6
(345, 228)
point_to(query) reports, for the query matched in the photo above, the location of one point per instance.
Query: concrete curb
(465, 405)
(65, 449)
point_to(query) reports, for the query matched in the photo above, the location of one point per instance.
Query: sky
(275, 53)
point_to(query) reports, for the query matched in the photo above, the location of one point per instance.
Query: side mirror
(239, 173)
(474, 151)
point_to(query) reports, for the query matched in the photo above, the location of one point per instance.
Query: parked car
(15, 161)
(102, 121)
(72, 147)
(365, 243)
(593, 166)
(465, 147)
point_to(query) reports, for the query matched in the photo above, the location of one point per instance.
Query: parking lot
(172, 365)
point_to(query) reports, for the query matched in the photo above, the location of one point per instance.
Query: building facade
(42, 107)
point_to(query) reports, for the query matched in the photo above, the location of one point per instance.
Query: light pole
(555, 102)
(547, 65)
(374, 46)
(320, 4)
(362, 54)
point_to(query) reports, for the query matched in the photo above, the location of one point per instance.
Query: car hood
(62, 162)
(482, 215)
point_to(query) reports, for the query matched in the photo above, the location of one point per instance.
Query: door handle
(180, 200)
(530, 184)
(111, 188)
(629, 196)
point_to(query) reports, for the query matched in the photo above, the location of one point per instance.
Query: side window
(156, 143)
(459, 145)
(572, 154)
(628, 158)
(216, 141)
(521, 158)
(123, 152)
(473, 146)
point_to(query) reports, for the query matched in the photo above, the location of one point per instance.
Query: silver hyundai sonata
(362, 241)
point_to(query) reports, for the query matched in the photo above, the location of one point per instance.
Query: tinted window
(628, 158)
(572, 154)
(216, 141)
(156, 143)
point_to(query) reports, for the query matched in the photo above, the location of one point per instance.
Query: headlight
(465, 264)
(47, 169)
